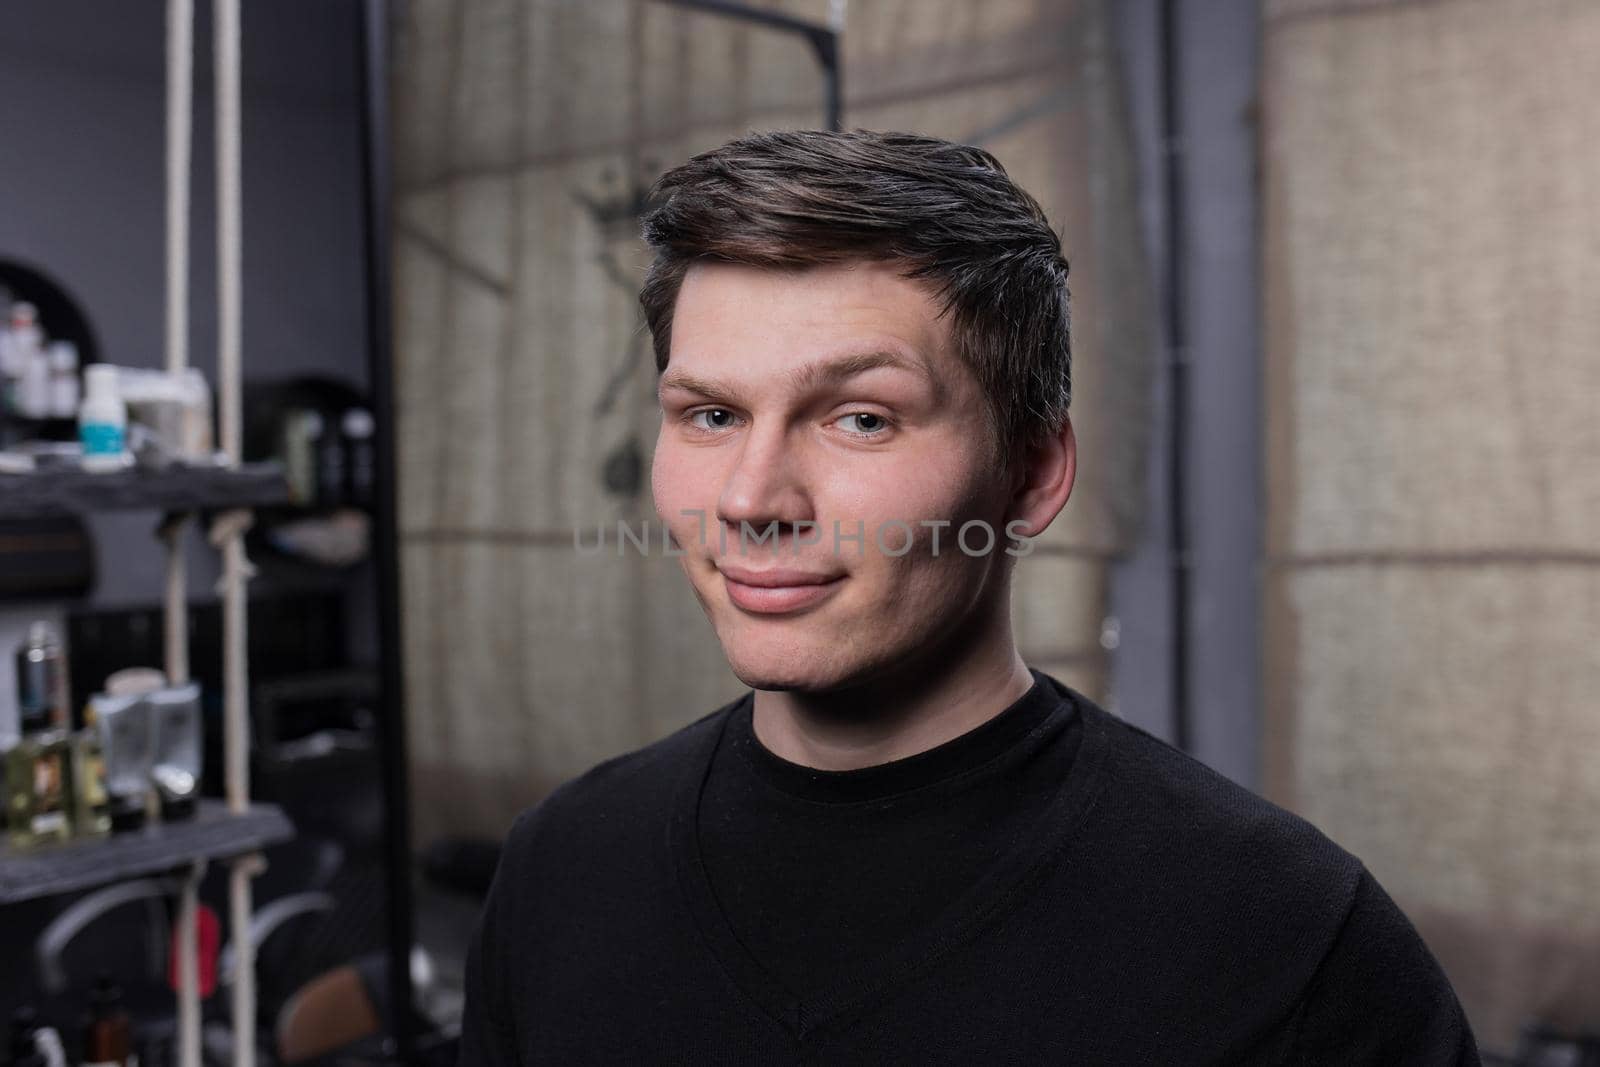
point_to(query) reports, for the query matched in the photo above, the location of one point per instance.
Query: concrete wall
(1432, 253)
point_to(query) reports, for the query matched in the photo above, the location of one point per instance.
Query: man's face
(823, 400)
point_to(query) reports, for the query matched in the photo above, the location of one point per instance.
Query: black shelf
(68, 491)
(212, 833)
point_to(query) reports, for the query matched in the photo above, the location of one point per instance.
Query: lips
(776, 577)
(778, 590)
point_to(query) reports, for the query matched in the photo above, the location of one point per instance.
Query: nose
(766, 485)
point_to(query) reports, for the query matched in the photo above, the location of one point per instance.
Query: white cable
(180, 92)
(180, 106)
(227, 533)
(228, 530)
(231, 527)
(236, 755)
(176, 616)
(243, 869)
(180, 109)
(189, 969)
(228, 224)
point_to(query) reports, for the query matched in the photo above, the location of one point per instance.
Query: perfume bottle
(122, 722)
(42, 677)
(91, 806)
(40, 767)
(39, 786)
(176, 759)
(108, 1037)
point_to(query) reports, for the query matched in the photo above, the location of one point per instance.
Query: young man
(904, 845)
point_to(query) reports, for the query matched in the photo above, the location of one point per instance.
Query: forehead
(756, 321)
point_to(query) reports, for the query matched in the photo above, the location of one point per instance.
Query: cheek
(949, 485)
(684, 484)
(936, 486)
(673, 480)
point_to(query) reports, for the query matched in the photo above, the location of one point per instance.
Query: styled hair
(794, 199)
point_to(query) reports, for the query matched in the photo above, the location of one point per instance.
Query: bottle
(103, 421)
(39, 768)
(358, 429)
(108, 1039)
(24, 333)
(22, 340)
(42, 677)
(91, 804)
(122, 721)
(330, 468)
(64, 387)
(39, 784)
(177, 756)
(301, 430)
(33, 387)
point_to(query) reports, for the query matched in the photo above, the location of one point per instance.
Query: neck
(953, 688)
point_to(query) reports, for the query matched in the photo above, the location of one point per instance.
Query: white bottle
(33, 388)
(22, 336)
(21, 351)
(64, 387)
(103, 420)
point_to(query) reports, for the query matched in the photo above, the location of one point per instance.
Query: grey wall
(82, 197)
(1218, 44)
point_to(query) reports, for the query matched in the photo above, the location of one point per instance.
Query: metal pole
(188, 968)
(1173, 158)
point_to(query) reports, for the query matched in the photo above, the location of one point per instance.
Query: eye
(864, 423)
(712, 419)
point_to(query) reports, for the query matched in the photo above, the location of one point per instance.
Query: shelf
(212, 833)
(67, 491)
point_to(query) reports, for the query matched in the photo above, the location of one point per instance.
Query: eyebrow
(811, 376)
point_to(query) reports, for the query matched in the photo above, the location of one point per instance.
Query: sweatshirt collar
(953, 759)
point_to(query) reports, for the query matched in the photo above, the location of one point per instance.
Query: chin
(758, 672)
(783, 667)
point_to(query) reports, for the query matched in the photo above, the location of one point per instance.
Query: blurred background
(1337, 364)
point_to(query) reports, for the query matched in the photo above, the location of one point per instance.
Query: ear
(1043, 481)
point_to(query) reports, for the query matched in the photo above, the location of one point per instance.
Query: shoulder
(608, 799)
(1289, 909)
(1380, 996)
(1207, 861)
(1158, 793)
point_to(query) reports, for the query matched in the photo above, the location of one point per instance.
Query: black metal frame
(1176, 315)
(824, 41)
(377, 188)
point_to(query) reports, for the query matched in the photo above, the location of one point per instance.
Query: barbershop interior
(323, 354)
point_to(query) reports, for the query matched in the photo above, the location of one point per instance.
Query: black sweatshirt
(1054, 886)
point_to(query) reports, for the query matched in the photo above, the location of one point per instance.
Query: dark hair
(802, 198)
